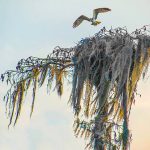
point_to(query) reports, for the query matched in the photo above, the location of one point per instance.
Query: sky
(34, 28)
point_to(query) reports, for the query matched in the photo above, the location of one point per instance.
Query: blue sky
(34, 28)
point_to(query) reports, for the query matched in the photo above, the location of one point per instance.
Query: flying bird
(93, 20)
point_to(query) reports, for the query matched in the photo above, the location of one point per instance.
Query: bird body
(93, 20)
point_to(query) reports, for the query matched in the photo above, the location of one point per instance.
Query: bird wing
(79, 20)
(99, 10)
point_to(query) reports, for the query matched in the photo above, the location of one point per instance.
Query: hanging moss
(104, 70)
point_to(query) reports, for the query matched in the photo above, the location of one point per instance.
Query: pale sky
(34, 28)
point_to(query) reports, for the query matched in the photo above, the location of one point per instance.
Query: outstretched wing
(99, 10)
(79, 20)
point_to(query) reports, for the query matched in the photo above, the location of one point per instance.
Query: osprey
(93, 20)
